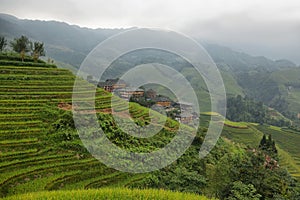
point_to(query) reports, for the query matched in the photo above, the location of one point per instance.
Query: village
(181, 112)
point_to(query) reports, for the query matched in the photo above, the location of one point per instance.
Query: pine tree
(3, 43)
(263, 143)
(268, 146)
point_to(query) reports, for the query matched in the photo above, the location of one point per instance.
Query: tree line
(23, 45)
(246, 109)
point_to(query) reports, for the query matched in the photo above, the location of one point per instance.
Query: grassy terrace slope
(109, 193)
(250, 134)
(286, 139)
(28, 163)
(34, 155)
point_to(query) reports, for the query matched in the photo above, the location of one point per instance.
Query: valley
(42, 153)
(40, 150)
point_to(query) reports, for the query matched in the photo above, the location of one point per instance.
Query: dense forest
(229, 172)
(246, 109)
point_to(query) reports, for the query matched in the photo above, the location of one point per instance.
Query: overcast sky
(258, 27)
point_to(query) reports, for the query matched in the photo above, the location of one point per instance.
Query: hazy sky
(259, 27)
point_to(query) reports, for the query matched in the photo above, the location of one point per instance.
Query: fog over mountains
(261, 78)
(71, 43)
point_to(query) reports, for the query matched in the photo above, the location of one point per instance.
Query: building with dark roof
(111, 84)
(163, 101)
(151, 94)
(128, 92)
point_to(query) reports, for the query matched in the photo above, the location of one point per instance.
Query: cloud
(269, 27)
(273, 38)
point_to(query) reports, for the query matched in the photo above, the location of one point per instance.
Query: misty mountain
(63, 42)
(71, 43)
(256, 76)
(234, 61)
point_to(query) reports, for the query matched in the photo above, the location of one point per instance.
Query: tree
(268, 146)
(38, 50)
(3, 43)
(241, 191)
(21, 45)
(263, 142)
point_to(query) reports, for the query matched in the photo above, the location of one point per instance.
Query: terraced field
(28, 161)
(109, 193)
(287, 142)
(31, 97)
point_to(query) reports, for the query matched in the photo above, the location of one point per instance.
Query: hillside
(250, 135)
(64, 42)
(40, 150)
(234, 61)
(242, 73)
(32, 158)
(108, 193)
(39, 146)
(70, 44)
(278, 89)
(288, 82)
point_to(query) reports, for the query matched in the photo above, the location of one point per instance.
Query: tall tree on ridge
(21, 45)
(3, 43)
(37, 50)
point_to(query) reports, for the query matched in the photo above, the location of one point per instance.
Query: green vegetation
(21, 45)
(286, 141)
(228, 172)
(3, 43)
(37, 50)
(109, 193)
(243, 191)
(41, 150)
(239, 125)
(267, 145)
(247, 110)
(279, 89)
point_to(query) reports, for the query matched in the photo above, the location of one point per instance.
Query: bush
(25, 64)
(16, 57)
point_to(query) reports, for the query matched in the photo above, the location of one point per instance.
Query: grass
(287, 77)
(286, 140)
(239, 125)
(28, 140)
(210, 113)
(109, 193)
(250, 134)
(216, 116)
(28, 161)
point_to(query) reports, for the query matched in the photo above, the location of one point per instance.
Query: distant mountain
(256, 76)
(235, 61)
(71, 43)
(63, 42)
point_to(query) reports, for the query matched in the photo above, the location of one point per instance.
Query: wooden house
(112, 84)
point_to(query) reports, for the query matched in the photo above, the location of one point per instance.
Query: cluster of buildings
(120, 88)
(182, 112)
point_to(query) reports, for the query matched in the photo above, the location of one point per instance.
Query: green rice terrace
(109, 193)
(32, 158)
(250, 134)
(28, 162)
(286, 140)
(40, 149)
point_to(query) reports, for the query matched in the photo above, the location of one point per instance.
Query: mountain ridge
(88, 38)
(242, 73)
